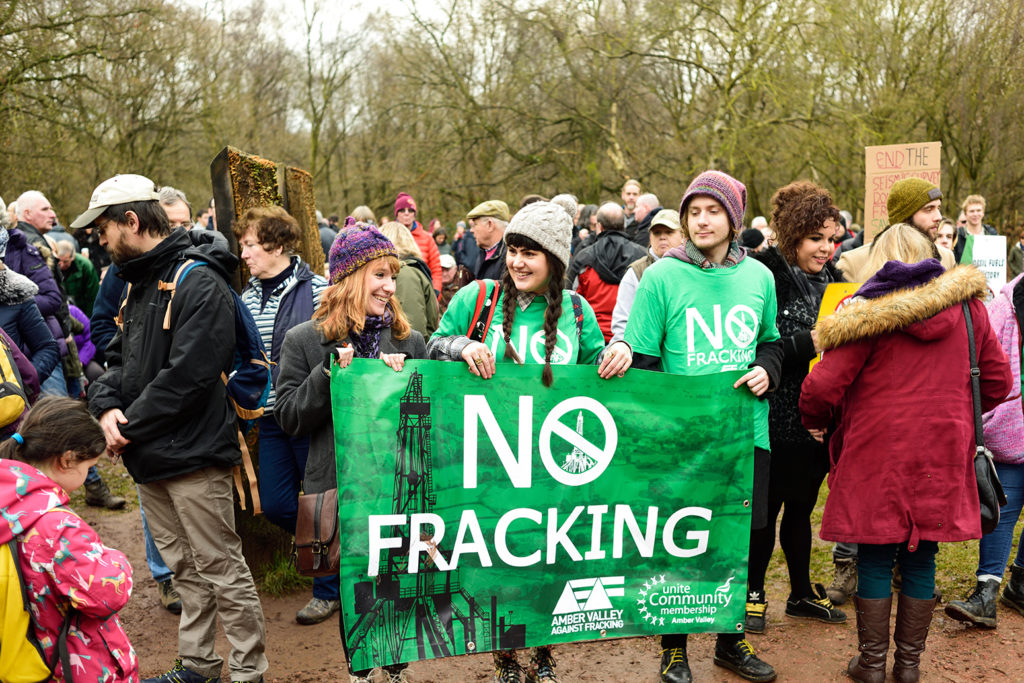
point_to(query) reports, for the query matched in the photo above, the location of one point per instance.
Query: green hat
(907, 196)
(495, 208)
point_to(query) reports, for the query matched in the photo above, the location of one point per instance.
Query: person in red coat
(902, 477)
(405, 213)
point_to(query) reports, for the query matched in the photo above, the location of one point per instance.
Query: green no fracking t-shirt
(700, 321)
(528, 328)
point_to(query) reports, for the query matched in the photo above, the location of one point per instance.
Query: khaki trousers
(192, 519)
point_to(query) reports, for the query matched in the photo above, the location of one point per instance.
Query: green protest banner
(490, 514)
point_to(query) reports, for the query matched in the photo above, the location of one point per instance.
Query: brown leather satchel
(317, 550)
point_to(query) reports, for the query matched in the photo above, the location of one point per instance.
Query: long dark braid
(553, 296)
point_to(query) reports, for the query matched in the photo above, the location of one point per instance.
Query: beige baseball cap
(121, 189)
(668, 218)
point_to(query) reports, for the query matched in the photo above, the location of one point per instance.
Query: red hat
(404, 201)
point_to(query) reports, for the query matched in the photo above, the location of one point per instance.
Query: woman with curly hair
(805, 223)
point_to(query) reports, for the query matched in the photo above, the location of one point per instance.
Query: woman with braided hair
(535, 321)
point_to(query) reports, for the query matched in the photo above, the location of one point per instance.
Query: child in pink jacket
(64, 563)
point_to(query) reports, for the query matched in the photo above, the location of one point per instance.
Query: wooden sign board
(886, 164)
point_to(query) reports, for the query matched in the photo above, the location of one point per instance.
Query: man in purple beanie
(710, 272)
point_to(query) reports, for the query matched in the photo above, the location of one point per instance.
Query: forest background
(460, 101)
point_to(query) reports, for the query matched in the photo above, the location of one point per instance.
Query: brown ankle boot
(913, 617)
(872, 640)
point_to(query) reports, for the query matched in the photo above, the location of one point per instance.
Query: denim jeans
(92, 476)
(54, 385)
(994, 549)
(157, 567)
(282, 466)
(874, 570)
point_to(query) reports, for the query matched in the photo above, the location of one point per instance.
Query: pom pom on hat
(547, 224)
(354, 247)
(567, 202)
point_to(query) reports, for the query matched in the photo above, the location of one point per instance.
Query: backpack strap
(119, 318)
(250, 474)
(179, 274)
(483, 314)
(577, 311)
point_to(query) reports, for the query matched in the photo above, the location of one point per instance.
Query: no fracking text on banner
(478, 515)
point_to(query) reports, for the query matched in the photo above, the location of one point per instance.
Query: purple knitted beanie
(354, 247)
(723, 188)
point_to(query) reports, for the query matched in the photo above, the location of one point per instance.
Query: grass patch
(280, 577)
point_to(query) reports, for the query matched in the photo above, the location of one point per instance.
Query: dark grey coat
(303, 404)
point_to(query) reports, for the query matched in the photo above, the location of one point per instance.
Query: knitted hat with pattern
(354, 247)
(724, 189)
(547, 224)
(907, 196)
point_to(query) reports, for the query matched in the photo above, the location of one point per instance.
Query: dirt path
(799, 650)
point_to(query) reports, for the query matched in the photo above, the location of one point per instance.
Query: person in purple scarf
(358, 317)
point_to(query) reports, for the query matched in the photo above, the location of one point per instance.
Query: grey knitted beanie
(547, 224)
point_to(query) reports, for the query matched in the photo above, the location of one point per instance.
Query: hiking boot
(819, 608)
(1013, 594)
(506, 667)
(872, 640)
(844, 583)
(98, 495)
(316, 610)
(179, 674)
(169, 597)
(352, 678)
(980, 606)
(740, 658)
(913, 617)
(258, 680)
(675, 668)
(542, 666)
(395, 673)
(754, 619)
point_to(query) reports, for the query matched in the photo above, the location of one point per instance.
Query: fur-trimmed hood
(15, 288)
(913, 310)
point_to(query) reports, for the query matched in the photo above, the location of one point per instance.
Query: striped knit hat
(723, 188)
(354, 247)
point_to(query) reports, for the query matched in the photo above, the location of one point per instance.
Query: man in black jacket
(164, 409)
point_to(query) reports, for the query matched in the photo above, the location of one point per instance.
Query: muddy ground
(799, 650)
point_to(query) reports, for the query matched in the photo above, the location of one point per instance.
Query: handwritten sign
(988, 254)
(888, 164)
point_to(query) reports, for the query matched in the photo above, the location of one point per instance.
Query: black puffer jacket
(796, 318)
(609, 255)
(167, 382)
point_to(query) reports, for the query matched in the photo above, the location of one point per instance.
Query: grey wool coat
(303, 406)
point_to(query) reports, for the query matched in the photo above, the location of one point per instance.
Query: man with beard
(164, 409)
(913, 201)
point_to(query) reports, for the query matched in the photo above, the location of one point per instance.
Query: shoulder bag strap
(979, 436)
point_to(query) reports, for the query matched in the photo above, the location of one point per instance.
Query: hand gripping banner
(479, 515)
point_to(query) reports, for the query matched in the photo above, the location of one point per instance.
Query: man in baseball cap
(121, 189)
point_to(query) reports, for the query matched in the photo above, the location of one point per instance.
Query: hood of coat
(27, 494)
(15, 288)
(612, 252)
(925, 311)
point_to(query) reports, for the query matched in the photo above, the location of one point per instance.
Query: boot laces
(676, 655)
(506, 667)
(544, 664)
(745, 648)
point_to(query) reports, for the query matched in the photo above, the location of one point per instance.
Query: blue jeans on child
(994, 549)
(874, 570)
(282, 466)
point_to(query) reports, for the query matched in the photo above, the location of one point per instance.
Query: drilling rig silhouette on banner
(430, 607)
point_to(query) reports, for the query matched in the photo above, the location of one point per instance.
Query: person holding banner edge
(358, 317)
(531, 304)
(711, 275)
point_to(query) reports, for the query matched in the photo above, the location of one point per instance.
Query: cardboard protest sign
(479, 515)
(886, 164)
(988, 254)
(836, 296)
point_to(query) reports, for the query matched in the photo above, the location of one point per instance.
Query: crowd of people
(103, 312)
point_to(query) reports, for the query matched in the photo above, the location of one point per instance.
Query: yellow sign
(836, 296)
